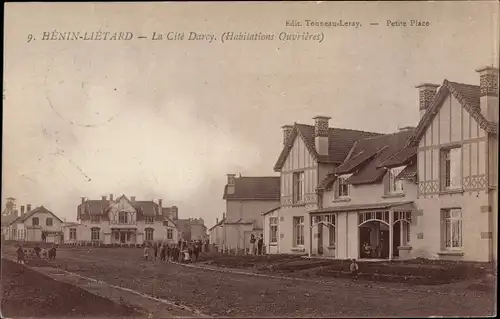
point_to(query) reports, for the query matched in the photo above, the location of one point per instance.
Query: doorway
(123, 237)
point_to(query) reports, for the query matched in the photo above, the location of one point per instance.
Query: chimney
(488, 79)
(132, 198)
(111, 197)
(321, 134)
(427, 93)
(160, 202)
(103, 197)
(230, 183)
(22, 211)
(28, 208)
(287, 131)
(216, 221)
(223, 215)
(175, 212)
(83, 200)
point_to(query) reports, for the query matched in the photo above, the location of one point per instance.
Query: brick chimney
(111, 197)
(28, 208)
(22, 211)
(287, 131)
(230, 183)
(175, 212)
(132, 198)
(321, 134)
(160, 202)
(427, 93)
(216, 221)
(488, 79)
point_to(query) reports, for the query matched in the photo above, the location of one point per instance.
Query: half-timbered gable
(457, 151)
(309, 154)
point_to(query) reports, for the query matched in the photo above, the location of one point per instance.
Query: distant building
(37, 225)
(192, 229)
(9, 214)
(215, 232)
(247, 198)
(123, 222)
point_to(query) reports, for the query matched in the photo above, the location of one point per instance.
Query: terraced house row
(427, 191)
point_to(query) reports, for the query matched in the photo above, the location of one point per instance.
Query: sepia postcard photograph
(277, 159)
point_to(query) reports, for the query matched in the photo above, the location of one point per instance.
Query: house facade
(36, 225)
(457, 146)
(122, 222)
(192, 229)
(247, 198)
(366, 208)
(309, 154)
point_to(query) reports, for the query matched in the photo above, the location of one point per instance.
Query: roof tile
(260, 188)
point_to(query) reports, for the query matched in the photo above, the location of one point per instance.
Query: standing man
(260, 243)
(252, 244)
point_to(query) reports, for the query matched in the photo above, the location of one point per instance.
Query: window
(451, 167)
(95, 233)
(149, 219)
(122, 217)
(149, 234)
(273, 229)
(331, 229)
(405, 234)
(343, 186)
(395, 185)
(298, 187)
(95, 218)
(72, 233)
(298, 231)
(170, 233)
(452, 228)
(49, 222)
(35, 221)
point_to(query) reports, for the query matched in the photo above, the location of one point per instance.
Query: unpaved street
(224, 294)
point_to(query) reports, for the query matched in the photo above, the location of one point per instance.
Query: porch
(123, 236)
(373, 232)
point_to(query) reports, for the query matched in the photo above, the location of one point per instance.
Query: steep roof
(467, 95)
(40, 209)
(101, 207)
(254, 188)
(369, 153)
(340, 142)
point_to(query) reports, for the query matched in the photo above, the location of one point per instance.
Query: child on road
(146, 252)
(354, 269)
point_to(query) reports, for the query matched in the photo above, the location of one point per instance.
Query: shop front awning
(402, 206)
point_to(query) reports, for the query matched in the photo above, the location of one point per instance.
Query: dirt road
(234, 295)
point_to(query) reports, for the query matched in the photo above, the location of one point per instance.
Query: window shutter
(385, 181)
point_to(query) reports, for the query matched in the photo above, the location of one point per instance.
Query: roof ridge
(388, 134)
(461, 83)
(339, 128)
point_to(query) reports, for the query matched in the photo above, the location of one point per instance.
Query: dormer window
(343, 186)
(149, 219)
(395, 184)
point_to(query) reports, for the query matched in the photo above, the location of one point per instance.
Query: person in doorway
(260, 243)
(367, 250)
(252, 244)
(354, 269)
(20, 255)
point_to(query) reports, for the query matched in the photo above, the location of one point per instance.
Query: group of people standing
(183, 251)
(40, 253)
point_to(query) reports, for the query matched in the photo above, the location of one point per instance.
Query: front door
(123, 237)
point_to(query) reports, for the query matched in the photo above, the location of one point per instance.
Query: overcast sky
(170, 119)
